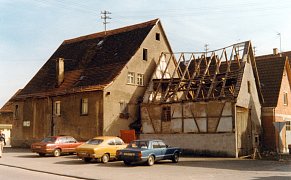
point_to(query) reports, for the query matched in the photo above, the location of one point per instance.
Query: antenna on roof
(105, 17)
(279, 34)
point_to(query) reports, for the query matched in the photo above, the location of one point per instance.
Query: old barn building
(92, 85)
(206, 102)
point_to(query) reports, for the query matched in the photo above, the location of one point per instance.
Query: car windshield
(49, 139)
(94, 141)
(138, 144)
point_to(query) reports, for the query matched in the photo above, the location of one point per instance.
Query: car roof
(106, 137)
(148, 140)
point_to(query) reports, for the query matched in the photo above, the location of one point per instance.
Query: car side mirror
(167, 146)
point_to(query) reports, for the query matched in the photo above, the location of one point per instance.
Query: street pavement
(188, 168)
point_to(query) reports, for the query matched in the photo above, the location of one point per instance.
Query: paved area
(187, 168)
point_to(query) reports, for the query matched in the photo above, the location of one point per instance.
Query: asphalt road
(27, 165)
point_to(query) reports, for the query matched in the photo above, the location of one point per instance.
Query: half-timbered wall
(189, 117)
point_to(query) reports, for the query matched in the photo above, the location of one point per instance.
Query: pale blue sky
(31, 30)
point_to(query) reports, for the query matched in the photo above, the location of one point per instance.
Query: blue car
(148, 151)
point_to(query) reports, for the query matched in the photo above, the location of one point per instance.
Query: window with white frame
(285, 100)
(140, 79)
(57, 108)
(288, 125)
(84, 106)
(130, 78)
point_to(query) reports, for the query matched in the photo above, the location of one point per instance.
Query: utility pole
(279, 34)
(255, 50)
(104, 15)
(206, 49)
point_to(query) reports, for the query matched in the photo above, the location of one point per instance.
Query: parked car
(148, 151)
(55, 145)
(100, 148)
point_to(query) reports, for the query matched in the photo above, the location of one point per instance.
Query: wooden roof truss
(199, 76)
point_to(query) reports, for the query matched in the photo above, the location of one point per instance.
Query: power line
(105, 17)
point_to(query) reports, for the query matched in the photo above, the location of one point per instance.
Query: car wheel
(151, 160)
(41, 154)
(57, 152)
(105, 158)
(127, 163)
(175, 158)
(87, 160)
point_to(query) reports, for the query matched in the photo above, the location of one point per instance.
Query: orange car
(55, 145)
(102, 147)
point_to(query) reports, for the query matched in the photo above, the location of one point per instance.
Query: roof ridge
(112, 32)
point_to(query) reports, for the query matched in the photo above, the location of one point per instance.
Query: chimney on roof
(275, 51)
(60, 71)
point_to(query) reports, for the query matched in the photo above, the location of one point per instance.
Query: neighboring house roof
(270, 69)
(91, 62)
(8, 106)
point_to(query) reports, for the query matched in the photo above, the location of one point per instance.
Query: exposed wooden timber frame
(200, 77)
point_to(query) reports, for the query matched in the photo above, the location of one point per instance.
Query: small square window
(145, 54)
(157, 36)
(285, 100)
(16, 115)
(166, 113)
(249, 87)
(130, 78)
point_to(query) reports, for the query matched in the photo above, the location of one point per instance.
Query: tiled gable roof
(270, 71)
(91, 62)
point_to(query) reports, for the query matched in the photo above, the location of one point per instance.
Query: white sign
(26, 123)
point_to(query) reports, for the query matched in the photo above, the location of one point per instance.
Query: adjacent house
(275, 76)
(91, 85)
(207, 102)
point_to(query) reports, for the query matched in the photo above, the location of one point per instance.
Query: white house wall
(250, 99)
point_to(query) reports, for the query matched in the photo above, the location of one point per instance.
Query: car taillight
(139, 154)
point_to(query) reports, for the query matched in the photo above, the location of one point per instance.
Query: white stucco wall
(215, 143)
(250, 99)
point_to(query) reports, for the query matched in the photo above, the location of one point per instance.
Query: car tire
(57, 152)
(127, 163)
(105, 158)
(175, 158)
(41, 154)
(151, 160)
(87, 160)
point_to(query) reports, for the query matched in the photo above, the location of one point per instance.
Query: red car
(55, 145)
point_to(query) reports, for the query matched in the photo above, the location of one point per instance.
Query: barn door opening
(244, 132)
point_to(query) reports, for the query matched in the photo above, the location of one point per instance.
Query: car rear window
(94, 141)
(138, 144)
(49, 140)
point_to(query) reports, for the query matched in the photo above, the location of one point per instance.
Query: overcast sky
(31, 30)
